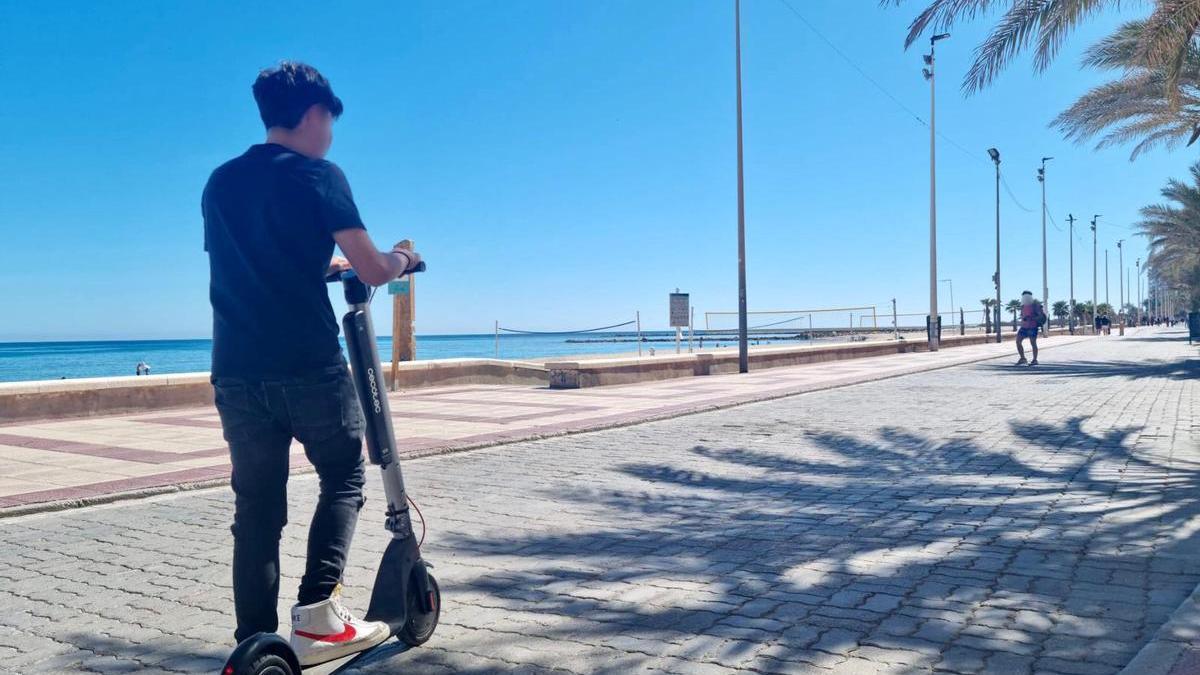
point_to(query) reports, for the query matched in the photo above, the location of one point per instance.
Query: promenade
(87, 460)
(940, 512)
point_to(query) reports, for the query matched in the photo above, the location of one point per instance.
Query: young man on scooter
(271, 219)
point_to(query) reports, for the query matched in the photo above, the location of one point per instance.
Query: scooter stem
(368, 377)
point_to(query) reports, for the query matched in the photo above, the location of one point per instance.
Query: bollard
(404, 343)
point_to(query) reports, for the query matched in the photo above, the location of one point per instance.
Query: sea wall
(567, 374)
(57, 399)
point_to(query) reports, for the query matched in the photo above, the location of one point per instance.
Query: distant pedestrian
(1033, 317)
(141, 368)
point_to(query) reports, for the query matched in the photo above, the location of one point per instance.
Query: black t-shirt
(269, 219)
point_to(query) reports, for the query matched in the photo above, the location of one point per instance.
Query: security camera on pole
(1071, 240)
(1094, 294)
(743, 330)
(1045, 279)
(995, 155)
(933, 290)
(1138, 274)
(1120, 287)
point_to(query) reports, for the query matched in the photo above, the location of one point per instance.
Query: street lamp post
(1045, 278)
(1151, 295)
(1138, 276)
(1071, 241)
(743, 338)
(933, 308)
(1121, 266)
(1094, 294)
(995, 155)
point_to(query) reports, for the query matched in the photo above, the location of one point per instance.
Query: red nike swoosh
(346, 635)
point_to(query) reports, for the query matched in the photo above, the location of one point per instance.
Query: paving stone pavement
(978, 519)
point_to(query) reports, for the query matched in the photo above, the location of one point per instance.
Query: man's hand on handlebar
(336, 265)
(407, 258)
(373, 266)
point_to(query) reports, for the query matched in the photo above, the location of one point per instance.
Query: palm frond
(1167, 37)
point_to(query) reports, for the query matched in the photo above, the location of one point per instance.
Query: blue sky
(560, 164)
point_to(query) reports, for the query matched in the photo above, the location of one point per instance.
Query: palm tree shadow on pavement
(1055, 545)
(1174, 369)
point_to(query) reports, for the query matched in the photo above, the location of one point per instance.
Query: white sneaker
(326, 630)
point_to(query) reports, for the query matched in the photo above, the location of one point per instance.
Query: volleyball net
(828, 319)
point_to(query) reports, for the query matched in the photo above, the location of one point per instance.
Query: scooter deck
(346, 664)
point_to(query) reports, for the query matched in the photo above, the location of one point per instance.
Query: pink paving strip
(497, 401)
(180, 421)
(416, 393)
(659, 394)
(416, 414)
(114, 486)
(507, 403)
(106, 451)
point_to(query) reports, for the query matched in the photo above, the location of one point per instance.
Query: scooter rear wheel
(420, 625)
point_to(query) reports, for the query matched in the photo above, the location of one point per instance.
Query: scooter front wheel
(272, 664)
(420, 625)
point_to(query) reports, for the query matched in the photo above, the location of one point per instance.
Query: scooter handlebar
(339, 275)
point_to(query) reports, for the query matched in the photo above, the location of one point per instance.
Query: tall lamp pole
(1045, 278)
(1071, 240)
(933, 290)
(1094, 294)
(995, 155)
(1106, 276)
(743, 338)
(1138, 270)
(1121, 266)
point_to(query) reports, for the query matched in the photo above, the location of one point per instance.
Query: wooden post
(404, 343)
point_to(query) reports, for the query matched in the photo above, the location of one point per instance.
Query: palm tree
(1045, 24)
(1173, 229)
(1104, 309)
(1060, 310)
(1014, 308)
(1142, 105)
(987, 314)
(1083, 312)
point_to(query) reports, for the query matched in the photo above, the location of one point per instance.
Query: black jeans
(260, 418)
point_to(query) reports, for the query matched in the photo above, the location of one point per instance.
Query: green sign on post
(398, 287)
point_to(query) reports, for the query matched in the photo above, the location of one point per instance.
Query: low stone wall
(602, 372)
(57, 399)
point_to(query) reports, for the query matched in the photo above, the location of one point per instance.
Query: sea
(23, 361)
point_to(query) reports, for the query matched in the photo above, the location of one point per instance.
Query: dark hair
(1026, 292)
(284, 93)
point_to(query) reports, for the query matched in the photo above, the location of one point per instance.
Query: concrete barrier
(57, 399)
(601, 372)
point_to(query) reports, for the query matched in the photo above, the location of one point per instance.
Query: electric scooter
(405, 596)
